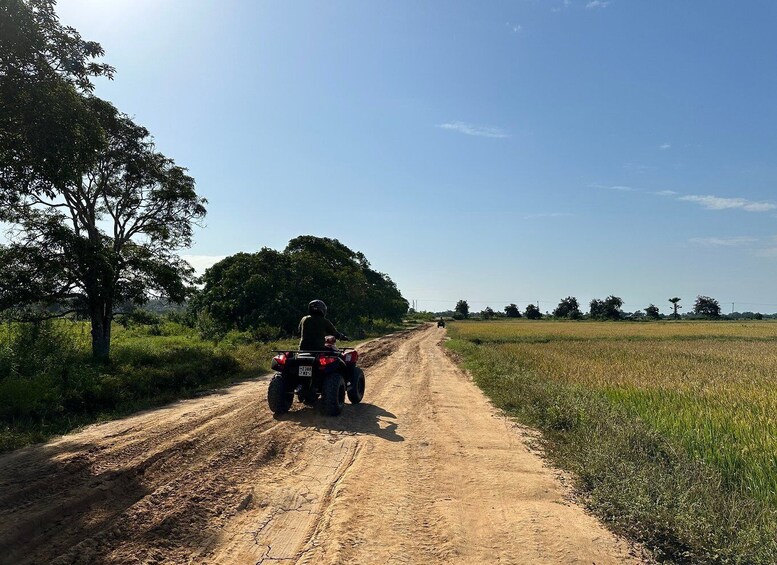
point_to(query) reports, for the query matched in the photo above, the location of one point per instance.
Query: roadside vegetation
(49, 383)
(668, 427)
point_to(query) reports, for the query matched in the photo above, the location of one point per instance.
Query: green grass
(49, 385)
(671, 428)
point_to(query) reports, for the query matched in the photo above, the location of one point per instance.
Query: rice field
(708, 388)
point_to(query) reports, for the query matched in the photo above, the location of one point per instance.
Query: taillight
(351, 356)
(278, 362)
(323, 361)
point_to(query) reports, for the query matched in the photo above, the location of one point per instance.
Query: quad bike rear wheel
(356, 390)
(333, 394)
(279, 397)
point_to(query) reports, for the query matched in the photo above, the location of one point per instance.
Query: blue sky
(497, 152)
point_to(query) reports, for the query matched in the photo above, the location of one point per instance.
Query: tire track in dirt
(156, 487)
(422, 471)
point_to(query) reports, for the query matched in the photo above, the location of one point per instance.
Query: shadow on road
(363, 418)
(50, 505)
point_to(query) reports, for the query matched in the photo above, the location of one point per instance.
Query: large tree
(569, 307)
(707, 307)
(532, 312)
(512, 311)
(652, 312)
(95, 210)
(270, 290)
(104, 237)
(462, 308)
(607, 309)
(675, 306)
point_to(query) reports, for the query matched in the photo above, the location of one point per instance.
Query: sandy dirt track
(423, 471)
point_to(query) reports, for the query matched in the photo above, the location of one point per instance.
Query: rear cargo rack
(325, 352)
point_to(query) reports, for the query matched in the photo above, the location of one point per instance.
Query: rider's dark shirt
(313, 330)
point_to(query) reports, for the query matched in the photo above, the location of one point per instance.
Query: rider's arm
(331, 330)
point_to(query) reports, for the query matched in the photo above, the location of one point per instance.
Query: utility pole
(732, 307)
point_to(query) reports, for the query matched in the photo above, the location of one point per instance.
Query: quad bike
(330, 374)
(440, 323)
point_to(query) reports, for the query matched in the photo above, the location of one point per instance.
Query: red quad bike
(329, 374)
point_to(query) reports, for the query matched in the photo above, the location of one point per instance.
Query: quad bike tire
(278, 396)
(333, 397)
(356, 390)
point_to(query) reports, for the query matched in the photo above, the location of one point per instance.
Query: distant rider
(314, 328)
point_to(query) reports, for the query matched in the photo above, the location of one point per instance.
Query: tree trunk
(101, 333)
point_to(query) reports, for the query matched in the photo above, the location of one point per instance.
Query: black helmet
(317, 306)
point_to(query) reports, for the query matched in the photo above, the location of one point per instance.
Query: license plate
(305, 371)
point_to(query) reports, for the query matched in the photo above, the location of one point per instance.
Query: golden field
(709, 386)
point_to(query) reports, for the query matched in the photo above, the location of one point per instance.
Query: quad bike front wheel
(356, 390)
(333, 394)
(278, 396)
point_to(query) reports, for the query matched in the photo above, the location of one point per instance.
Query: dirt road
(423, 471)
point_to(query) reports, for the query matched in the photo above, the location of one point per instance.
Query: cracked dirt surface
(423, 471)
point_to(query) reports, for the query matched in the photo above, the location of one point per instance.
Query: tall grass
(670, 427)
(49, 384)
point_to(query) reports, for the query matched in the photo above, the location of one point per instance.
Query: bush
(139, 317)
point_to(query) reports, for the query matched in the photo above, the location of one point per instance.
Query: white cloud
(202, 262)
(514, 27)
(618, 187)
(768, 252)
(723, 241)
(707, 201)
(665, 146)
(594, 4)
(469, 129)
(719, 203)
(636, 167)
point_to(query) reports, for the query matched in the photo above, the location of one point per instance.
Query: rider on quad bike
(314, 328)
(318, 370)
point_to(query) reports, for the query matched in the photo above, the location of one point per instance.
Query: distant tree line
(267, 292)
(609, 308)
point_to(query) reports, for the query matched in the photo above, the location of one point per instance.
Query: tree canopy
(607, 309)
(707, 307)
(271, 289)
(462, 309)
(652, 312)
(512, 311)
(532, 312)
(46, 129)
(568, 308)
